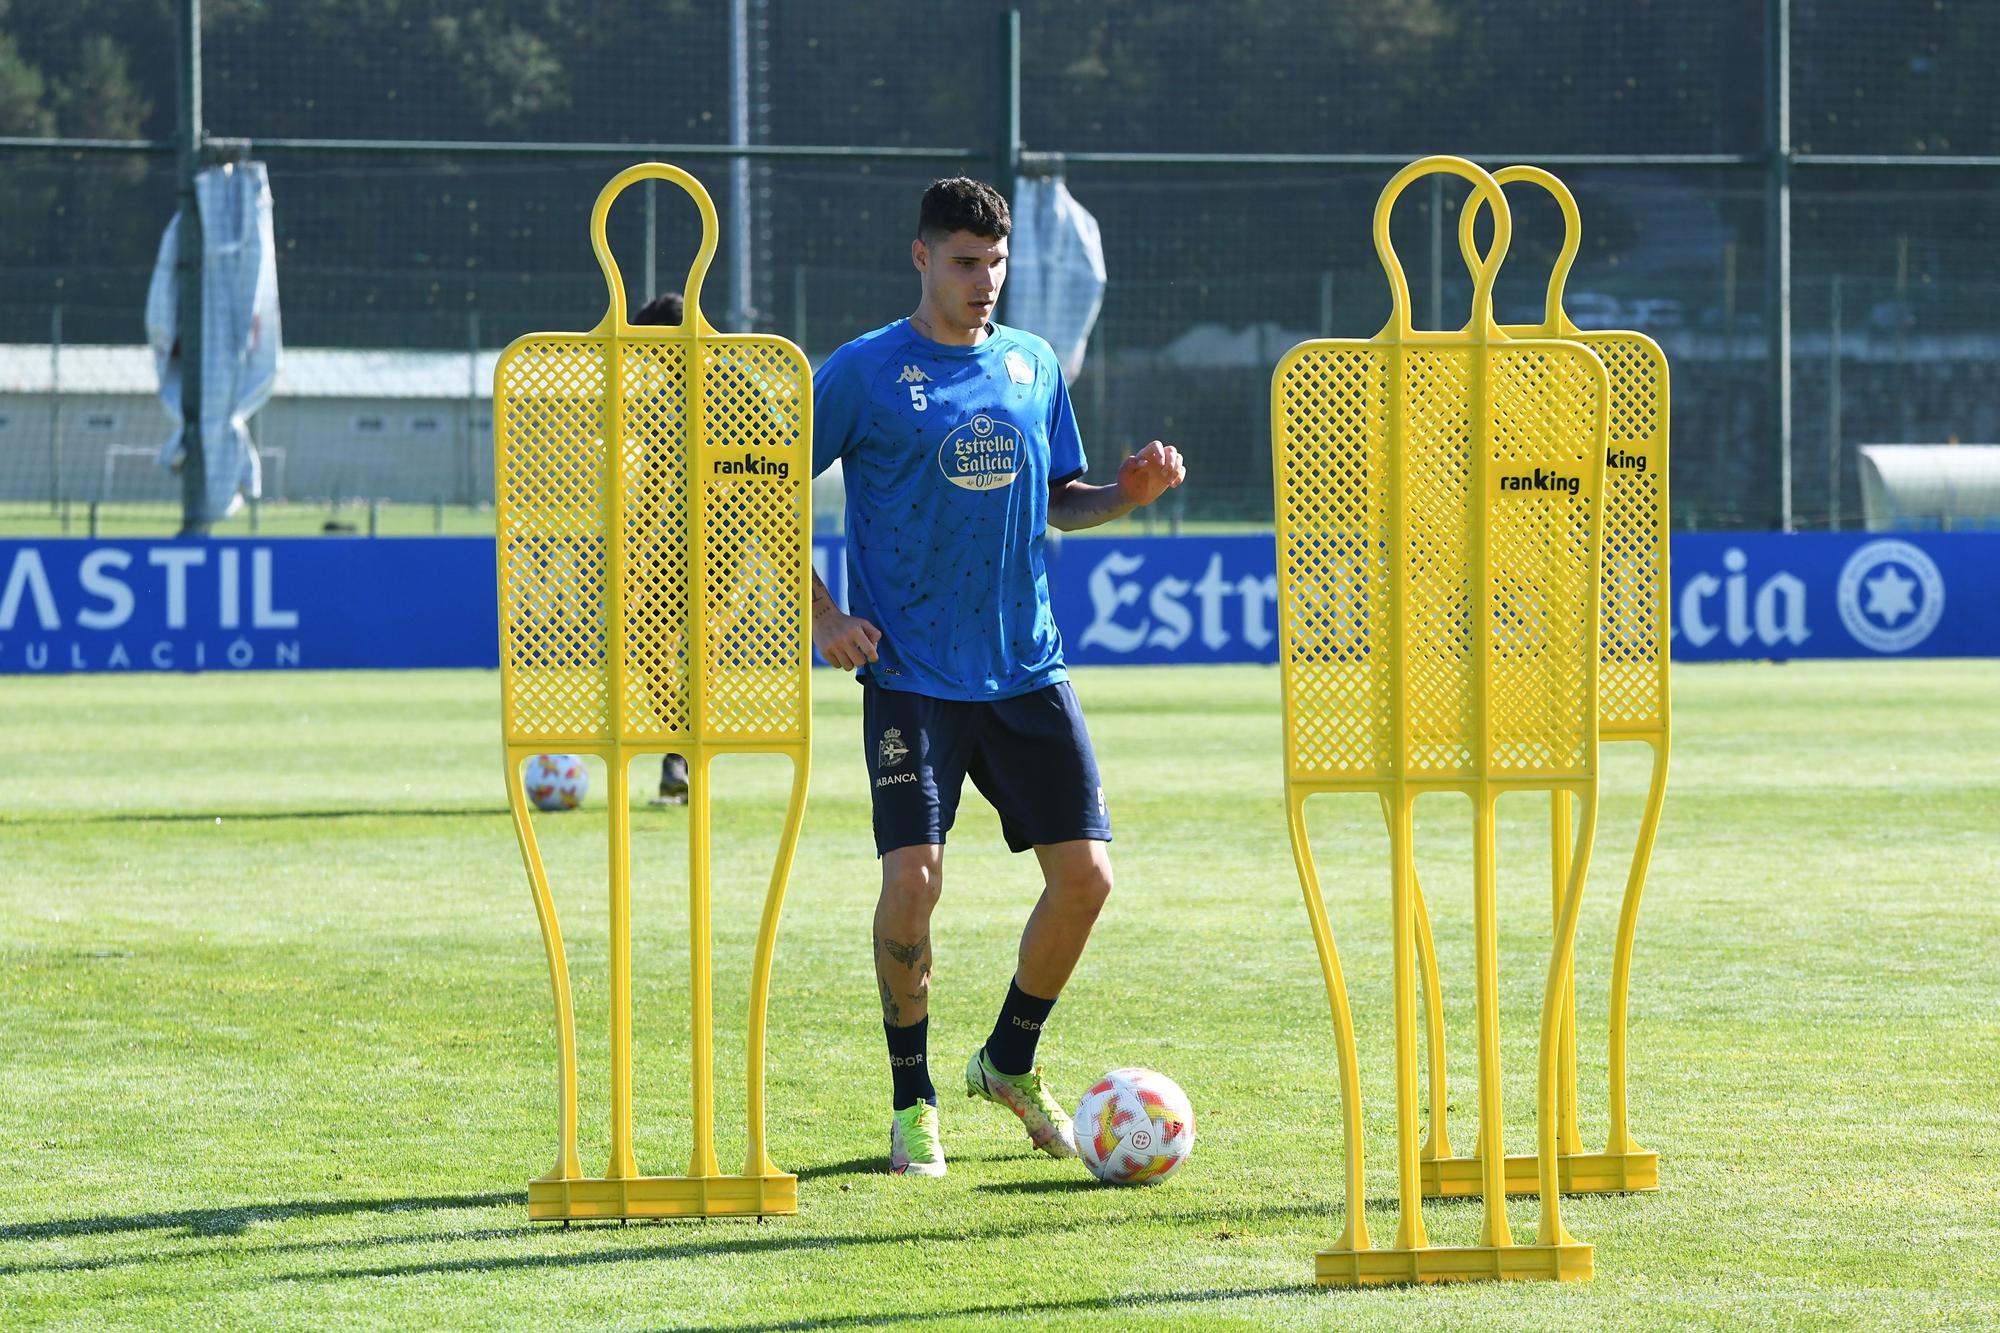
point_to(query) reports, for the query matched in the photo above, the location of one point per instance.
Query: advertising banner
(69, 605)
(307, 603)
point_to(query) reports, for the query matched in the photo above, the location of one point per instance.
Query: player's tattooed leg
(903, 971)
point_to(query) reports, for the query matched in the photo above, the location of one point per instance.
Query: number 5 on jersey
(917, 399)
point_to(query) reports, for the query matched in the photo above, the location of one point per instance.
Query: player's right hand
(845, 641)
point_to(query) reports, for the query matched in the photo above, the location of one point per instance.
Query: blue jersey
(948, 454)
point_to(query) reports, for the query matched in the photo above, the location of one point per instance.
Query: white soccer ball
(1134, 1127)
(556, 781)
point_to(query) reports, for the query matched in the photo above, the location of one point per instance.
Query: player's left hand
(1151, 473)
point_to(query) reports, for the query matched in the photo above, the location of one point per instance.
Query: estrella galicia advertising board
(312, 603)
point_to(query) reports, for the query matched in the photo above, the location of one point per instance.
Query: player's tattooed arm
(1142, 479)
(845, 641)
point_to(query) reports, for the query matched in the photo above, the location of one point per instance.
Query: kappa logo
(1541, 480)
(912, 375)
(890, 750)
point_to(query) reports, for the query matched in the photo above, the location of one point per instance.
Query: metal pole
(1778, 239)
(1833, 411)
(470, 490)
(55, 408)
(1007, 153)
(1905, 427)
(187, 273)
(649, 288)
(799, 304)
(1437, 252)
(740, 315)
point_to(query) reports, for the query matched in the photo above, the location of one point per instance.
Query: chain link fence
(407, 258)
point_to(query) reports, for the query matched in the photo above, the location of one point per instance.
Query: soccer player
(667, 308)
(959, 448)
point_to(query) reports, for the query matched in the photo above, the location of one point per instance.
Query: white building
(84, 422)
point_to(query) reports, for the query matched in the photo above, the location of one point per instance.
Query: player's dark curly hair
(666, 308)
(959, 203)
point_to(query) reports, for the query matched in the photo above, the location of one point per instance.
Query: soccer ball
(556, 781)
(1134, 1127)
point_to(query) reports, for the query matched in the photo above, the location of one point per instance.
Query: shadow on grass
(258, 816)
(1023, 1309)
(171, 1252)
(695, 1238)
(853, 1166)
(1329, 1208)
(234, 1220)
(1039, 1186)
(265, 816)
(878, 1165)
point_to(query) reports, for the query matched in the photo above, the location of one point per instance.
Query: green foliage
(22, 90)
(67, 68)
(279, 1054)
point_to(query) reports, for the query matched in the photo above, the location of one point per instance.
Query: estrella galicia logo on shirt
(983, 454)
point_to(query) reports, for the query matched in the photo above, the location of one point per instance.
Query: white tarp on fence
(1055, 279)
(240, 331)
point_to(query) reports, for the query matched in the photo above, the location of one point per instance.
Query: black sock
(909, 1065)
(1011, 1048)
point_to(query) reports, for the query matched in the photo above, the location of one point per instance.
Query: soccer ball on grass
(556, 781)
(1134, 1127)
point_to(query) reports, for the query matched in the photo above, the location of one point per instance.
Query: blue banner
(306, 603)
(71, 605)
(1767, 595)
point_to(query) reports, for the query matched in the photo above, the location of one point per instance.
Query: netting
(416, 266)
(1894, 76)
(1472, 77)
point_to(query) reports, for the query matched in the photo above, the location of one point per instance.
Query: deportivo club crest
(891, 751)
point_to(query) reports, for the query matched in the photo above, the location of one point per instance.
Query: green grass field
(278, 1045)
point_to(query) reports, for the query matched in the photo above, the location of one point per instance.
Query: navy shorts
(1029, 755)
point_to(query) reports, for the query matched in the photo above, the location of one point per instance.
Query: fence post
(1778, 239)
(188, 320)
(740, 312)
(799, 305)
(649, 286)
(1833, 409)
(55, 407)
(1437, 251)
(1007, 149)
(469, 470)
